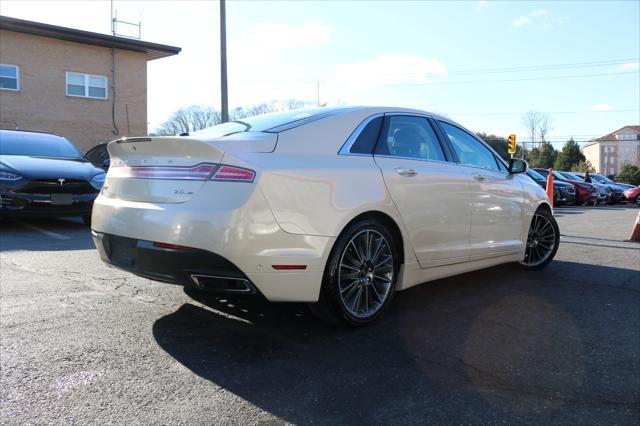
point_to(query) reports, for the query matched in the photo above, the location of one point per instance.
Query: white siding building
(611, 152)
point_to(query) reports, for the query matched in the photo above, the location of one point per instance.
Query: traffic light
(511, 145)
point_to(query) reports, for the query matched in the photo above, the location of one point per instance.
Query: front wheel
(543, 240)
(361, 274)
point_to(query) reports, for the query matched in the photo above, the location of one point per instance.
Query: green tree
(629, 174)
(583, 166)
(569, 156)
(533, 157)
(548, 155)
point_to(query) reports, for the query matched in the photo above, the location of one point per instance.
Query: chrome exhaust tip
(221, 283)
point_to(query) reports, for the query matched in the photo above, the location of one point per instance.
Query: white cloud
(601, 107)
(540, 13)
(372, 81)
(630, 66)
(390, 69)
(270, 35)
(541, 18)
(521, 21)
(264, 64)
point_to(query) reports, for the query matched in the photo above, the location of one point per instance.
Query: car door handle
(406, 172)
(479, 177)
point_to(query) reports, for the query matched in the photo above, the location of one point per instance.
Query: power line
(500, 81)
(446, 83)
(524, 68)
(545, 67)
(547, 112)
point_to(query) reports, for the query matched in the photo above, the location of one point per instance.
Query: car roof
(37, 132)
(373, 109)
(32, 134)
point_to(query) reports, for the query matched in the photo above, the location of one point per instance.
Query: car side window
(470, 151)
(410, 137)
(367, 138)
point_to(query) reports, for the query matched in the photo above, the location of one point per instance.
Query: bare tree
(263, 108)
(190, 119)
(545, 125)
(197, 117)
(267, 107)
(293, 104)
(531, 121)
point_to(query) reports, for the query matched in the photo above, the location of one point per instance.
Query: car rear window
(36, 145)
(271, 123)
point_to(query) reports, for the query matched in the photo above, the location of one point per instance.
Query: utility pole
(223, 64)
(318, 91)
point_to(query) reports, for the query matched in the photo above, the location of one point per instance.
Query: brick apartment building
(609, 153)
(63, 81)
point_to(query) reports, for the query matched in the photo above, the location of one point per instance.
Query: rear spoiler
(126, 140)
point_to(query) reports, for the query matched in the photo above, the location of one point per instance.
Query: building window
(626, 137)
(9, 77)
(86, 85)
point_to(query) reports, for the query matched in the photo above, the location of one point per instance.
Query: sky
(481, 63)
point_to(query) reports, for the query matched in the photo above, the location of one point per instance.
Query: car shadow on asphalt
(494, 344)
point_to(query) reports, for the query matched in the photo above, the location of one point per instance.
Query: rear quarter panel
(314, 191)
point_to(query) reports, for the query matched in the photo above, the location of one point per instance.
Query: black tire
(87, 219)
(331, 307)
(528, 264)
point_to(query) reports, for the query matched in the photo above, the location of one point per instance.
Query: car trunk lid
(172, 169)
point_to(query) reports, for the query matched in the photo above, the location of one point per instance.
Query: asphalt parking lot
(83, 343)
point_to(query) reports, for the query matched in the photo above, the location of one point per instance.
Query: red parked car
(633, 195)
(585, 192)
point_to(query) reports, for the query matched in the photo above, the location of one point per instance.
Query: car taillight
(233, 174)
(199, 172)
(204, 171)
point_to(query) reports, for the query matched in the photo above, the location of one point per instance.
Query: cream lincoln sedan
(339, 207)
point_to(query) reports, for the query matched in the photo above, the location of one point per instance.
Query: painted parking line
(45, 231)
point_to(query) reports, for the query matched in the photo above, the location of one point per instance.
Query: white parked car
(338, 207)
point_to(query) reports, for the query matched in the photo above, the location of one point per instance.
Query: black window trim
(346, 147)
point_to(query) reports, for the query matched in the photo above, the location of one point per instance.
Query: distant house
(86, 86)
(611, 152)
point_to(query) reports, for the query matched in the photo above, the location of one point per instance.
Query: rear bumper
(188, 267)
(231, 231)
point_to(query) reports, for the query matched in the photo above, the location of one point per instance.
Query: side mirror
(106, 163)
(517, 165)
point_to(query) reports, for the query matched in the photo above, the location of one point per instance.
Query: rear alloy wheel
(361, 275)
(542, 241)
